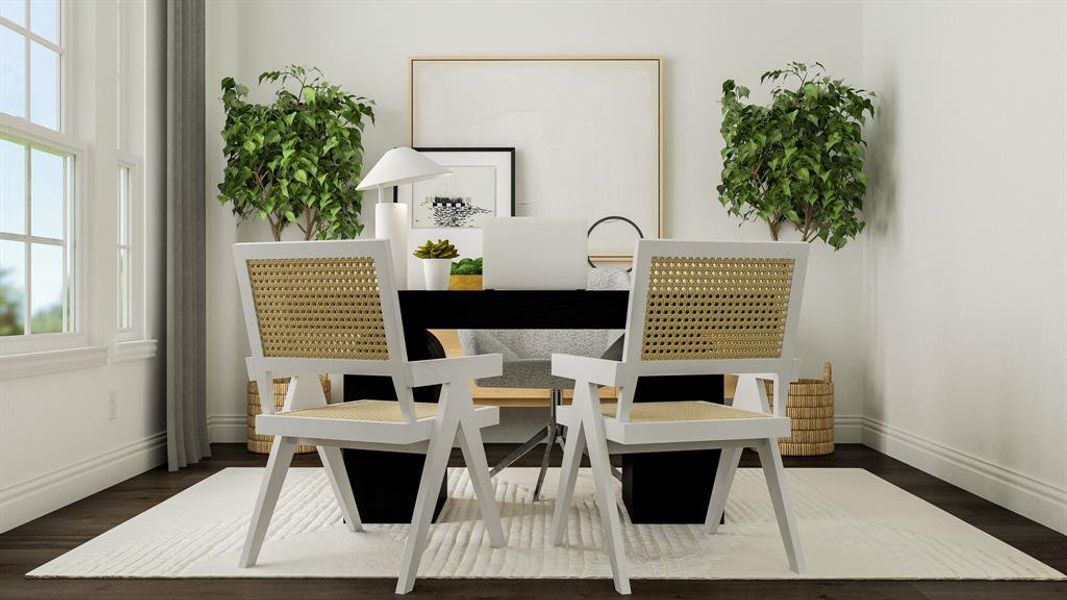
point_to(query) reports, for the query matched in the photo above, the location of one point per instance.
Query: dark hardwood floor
(39, 541)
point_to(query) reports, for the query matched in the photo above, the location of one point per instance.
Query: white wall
(57, 442)
(966, 252)
(365, 46)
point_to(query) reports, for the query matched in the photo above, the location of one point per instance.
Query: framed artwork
(588, 132)
(481, 187)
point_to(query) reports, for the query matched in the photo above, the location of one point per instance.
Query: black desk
(667, 487)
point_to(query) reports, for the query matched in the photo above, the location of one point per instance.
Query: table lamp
(396, 167)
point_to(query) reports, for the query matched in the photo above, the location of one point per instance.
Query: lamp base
(391, 223)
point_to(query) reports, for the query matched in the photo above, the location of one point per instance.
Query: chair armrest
(600, 371)
(455, 369)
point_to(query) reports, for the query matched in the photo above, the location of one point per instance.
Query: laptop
(534, 253)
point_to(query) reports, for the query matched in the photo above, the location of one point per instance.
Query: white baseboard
(848, 429)
(41, 495)
(225, 429)
(1031, 498)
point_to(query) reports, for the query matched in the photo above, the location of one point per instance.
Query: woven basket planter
(464, 282)
(810, 405)
(260, 444)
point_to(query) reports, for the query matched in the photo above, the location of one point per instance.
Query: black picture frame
(509, 149)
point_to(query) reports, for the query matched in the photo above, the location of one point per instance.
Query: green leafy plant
(438, 249)
(298, 159)
(467, 266)
(799, 160)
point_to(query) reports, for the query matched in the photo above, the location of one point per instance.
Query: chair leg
(281, 454)
(549, 444)
(334, 465)
(724, 478)
(593, 424)
(470, 441)
(572, 460)
(771, 460)
(432, 472)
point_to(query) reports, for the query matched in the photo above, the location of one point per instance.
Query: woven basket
(464, 282)
(260, 444)
(811, 407)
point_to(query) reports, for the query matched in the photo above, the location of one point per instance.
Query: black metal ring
(640, 234)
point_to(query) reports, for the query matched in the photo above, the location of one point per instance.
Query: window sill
(133, 350)
(30, 364)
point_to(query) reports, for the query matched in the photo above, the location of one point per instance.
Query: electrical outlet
(113, 406)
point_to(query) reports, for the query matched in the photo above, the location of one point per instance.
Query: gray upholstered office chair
(528, 363)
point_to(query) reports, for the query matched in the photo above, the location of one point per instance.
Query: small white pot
(436, 271)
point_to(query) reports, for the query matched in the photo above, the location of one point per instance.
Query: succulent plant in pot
(436, 262)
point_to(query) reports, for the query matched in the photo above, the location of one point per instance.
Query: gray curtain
(187, 440)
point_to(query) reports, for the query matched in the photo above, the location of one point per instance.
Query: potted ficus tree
(799, 161)
(295, 161)
(298, 159)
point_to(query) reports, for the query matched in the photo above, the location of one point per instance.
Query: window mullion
(26, 67)
(26, 246)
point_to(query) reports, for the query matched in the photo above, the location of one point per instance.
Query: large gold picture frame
(414, 138)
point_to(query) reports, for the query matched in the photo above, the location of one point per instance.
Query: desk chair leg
(724, 478)
(433, 471)
(771, 460)
(550, 441)
(520, 452)
(334, 465)
(593, 424)
(281, 454)
(568, 476)
(470, 442)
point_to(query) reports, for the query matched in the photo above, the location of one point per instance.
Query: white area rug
(853, 525)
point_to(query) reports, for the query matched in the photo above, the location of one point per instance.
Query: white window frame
(62, 112)
(24, 131)
(135, 244)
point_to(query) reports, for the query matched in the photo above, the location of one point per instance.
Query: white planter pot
(436, 271)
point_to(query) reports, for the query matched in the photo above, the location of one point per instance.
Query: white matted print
(453, 207)
(587, 131)
(464, 199)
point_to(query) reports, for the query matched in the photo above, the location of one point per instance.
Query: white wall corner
(1034, 499)
(28, 500)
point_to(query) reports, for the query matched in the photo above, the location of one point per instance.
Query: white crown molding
(133, 350)
(30, 499)
(1032, 498)
(30, 364)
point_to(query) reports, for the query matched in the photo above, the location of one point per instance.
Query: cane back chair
(331, 306)
(696, 308)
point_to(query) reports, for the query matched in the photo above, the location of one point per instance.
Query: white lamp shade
(401, 165)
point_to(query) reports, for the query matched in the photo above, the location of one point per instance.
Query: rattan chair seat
(687, 410)
(379, 411)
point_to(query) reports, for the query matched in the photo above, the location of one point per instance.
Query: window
(37, 175)
(130, 192)
(30, 55)
(36, 283)
(125, 291)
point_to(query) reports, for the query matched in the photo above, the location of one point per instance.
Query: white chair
(695, 308)
(313, 307)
